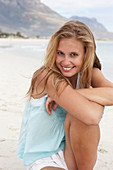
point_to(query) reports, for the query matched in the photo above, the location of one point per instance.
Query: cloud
(66, 4)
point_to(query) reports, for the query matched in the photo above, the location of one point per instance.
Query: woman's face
(69, 57)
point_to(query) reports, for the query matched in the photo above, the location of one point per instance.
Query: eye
(60, 53)
(74, 54)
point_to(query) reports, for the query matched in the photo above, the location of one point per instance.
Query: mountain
(99, 31)
(33, 18)
(30, 17)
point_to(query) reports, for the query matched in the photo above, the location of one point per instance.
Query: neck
(73, 80)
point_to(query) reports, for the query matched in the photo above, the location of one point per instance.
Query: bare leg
(51, 168)
(68, 152)
(83, 140)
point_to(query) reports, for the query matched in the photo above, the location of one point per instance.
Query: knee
(77, 125)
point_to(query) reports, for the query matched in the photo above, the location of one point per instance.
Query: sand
(15, 72)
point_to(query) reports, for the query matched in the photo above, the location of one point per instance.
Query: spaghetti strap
(78, 81)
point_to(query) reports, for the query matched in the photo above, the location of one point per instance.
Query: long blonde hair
(81, 32)
(78, 30)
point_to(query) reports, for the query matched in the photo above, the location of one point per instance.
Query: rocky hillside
(33, 18)
(97, 28)
(30, 17)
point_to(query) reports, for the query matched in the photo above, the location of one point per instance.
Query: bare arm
(79, 106)
(103, 93)
(102, 96)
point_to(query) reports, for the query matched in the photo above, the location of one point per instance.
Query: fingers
(48, 107)
(55, 106)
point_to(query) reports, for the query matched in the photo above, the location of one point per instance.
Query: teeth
(66, 68)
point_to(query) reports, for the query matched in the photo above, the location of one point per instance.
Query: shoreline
(46, 38)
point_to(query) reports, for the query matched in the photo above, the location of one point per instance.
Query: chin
(67, 75)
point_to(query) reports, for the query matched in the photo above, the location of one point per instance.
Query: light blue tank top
(41, 135)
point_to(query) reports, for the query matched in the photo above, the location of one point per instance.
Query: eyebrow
(70, 52)
(60, 51)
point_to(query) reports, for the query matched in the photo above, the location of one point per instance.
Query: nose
(66, 60)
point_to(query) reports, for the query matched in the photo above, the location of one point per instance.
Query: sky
(102, 10)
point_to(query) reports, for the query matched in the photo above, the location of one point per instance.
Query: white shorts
(56, 160)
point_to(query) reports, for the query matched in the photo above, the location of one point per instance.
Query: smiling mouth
(67, 68)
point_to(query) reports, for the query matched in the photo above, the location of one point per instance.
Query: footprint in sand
(102, 150)
(2, 140)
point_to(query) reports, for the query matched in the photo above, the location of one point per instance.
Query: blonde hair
(81, 32)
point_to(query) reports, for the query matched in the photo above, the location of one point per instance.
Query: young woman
(67, 75)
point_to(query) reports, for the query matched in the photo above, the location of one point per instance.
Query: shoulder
(41, 81)
(56, 83)
(98, 79)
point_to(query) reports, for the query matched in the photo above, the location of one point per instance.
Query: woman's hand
(50, 104)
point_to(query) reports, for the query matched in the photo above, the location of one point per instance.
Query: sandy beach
(16, 70)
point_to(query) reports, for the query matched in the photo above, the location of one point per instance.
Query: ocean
(37, 48)
(105, 54)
